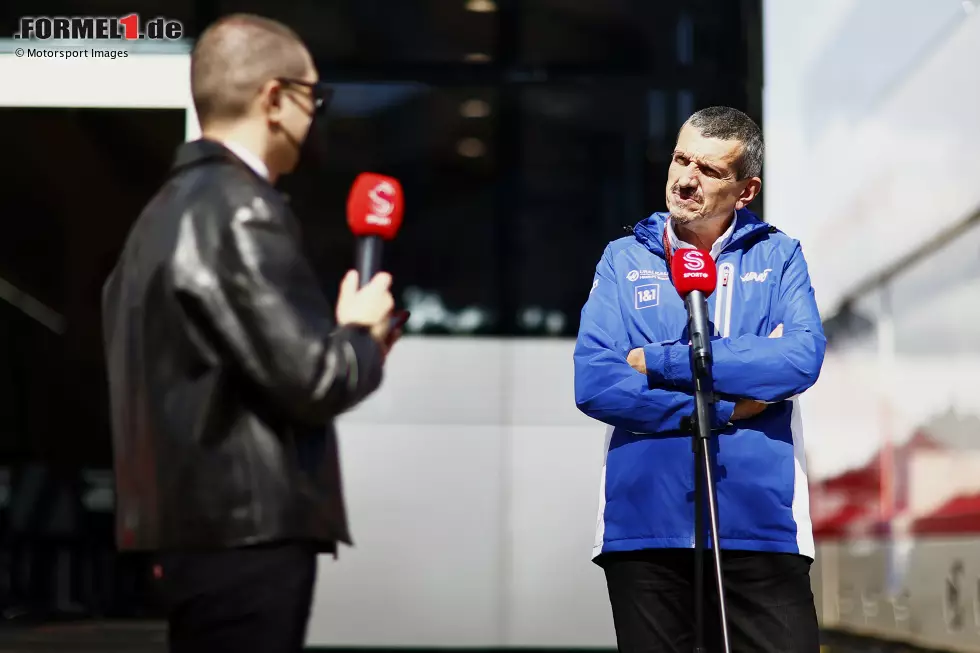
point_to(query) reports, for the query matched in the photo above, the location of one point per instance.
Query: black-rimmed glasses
(321, 93)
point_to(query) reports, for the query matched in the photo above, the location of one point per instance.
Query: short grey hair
(234, 57)
(731, 124)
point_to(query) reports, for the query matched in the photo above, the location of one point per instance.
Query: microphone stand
(704, 479)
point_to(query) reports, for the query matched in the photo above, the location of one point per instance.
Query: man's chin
(289, 164)
(683, 216)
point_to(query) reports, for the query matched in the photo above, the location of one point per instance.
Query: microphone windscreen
(693, 269)
(375, 206)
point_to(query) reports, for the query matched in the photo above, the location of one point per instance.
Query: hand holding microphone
(368, 306)
(374, 214)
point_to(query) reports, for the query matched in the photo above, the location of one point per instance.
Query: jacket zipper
(723, 304)
(725, 290)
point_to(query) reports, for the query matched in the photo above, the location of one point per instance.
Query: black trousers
(238, 600)
(769, 602)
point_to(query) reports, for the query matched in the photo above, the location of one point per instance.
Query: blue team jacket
(646, 496)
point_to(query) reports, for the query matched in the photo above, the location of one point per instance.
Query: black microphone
(367, 258)
(695, 275)
(374, 214)
(697, 316)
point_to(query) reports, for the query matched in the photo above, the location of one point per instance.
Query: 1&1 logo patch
(646, 295)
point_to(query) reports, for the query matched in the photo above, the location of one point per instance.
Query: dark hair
(234, 57)
(731, 124)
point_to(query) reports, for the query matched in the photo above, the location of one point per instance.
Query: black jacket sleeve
(238, 269)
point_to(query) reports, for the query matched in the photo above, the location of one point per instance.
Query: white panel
(425, 513)
(440, 381)
(556, 595)
(136, 81)
(542, 390)
(475, 533)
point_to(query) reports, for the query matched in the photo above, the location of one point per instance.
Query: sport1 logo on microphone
(693, 260)
(694, 264)
(382, 204)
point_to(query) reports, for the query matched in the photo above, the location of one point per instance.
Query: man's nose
(688, 178)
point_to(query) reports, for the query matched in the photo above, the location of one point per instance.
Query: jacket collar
(716, 248)
(204, 151)
(650, 232)
(250, 159)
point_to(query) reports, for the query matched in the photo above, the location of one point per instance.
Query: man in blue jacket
(633, 372)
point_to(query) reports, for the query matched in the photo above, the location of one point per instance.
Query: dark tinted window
(616, 33)
(381, 31)
(525, 134)
(584, 174)
(641, 36)
(439, 143)
(69, 198)
(353, 33)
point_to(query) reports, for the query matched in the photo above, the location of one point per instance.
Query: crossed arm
(607, 388)
(650, 389)
(767, 369)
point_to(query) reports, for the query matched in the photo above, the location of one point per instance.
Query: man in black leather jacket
(225, 365)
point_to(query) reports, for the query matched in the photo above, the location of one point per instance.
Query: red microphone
(374, 214)
(693, 270)
(695, 276)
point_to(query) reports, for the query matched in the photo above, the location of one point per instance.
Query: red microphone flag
(375, 206)
(693, 269)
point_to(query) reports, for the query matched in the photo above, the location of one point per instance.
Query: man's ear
(752, 188)
(272, 101)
